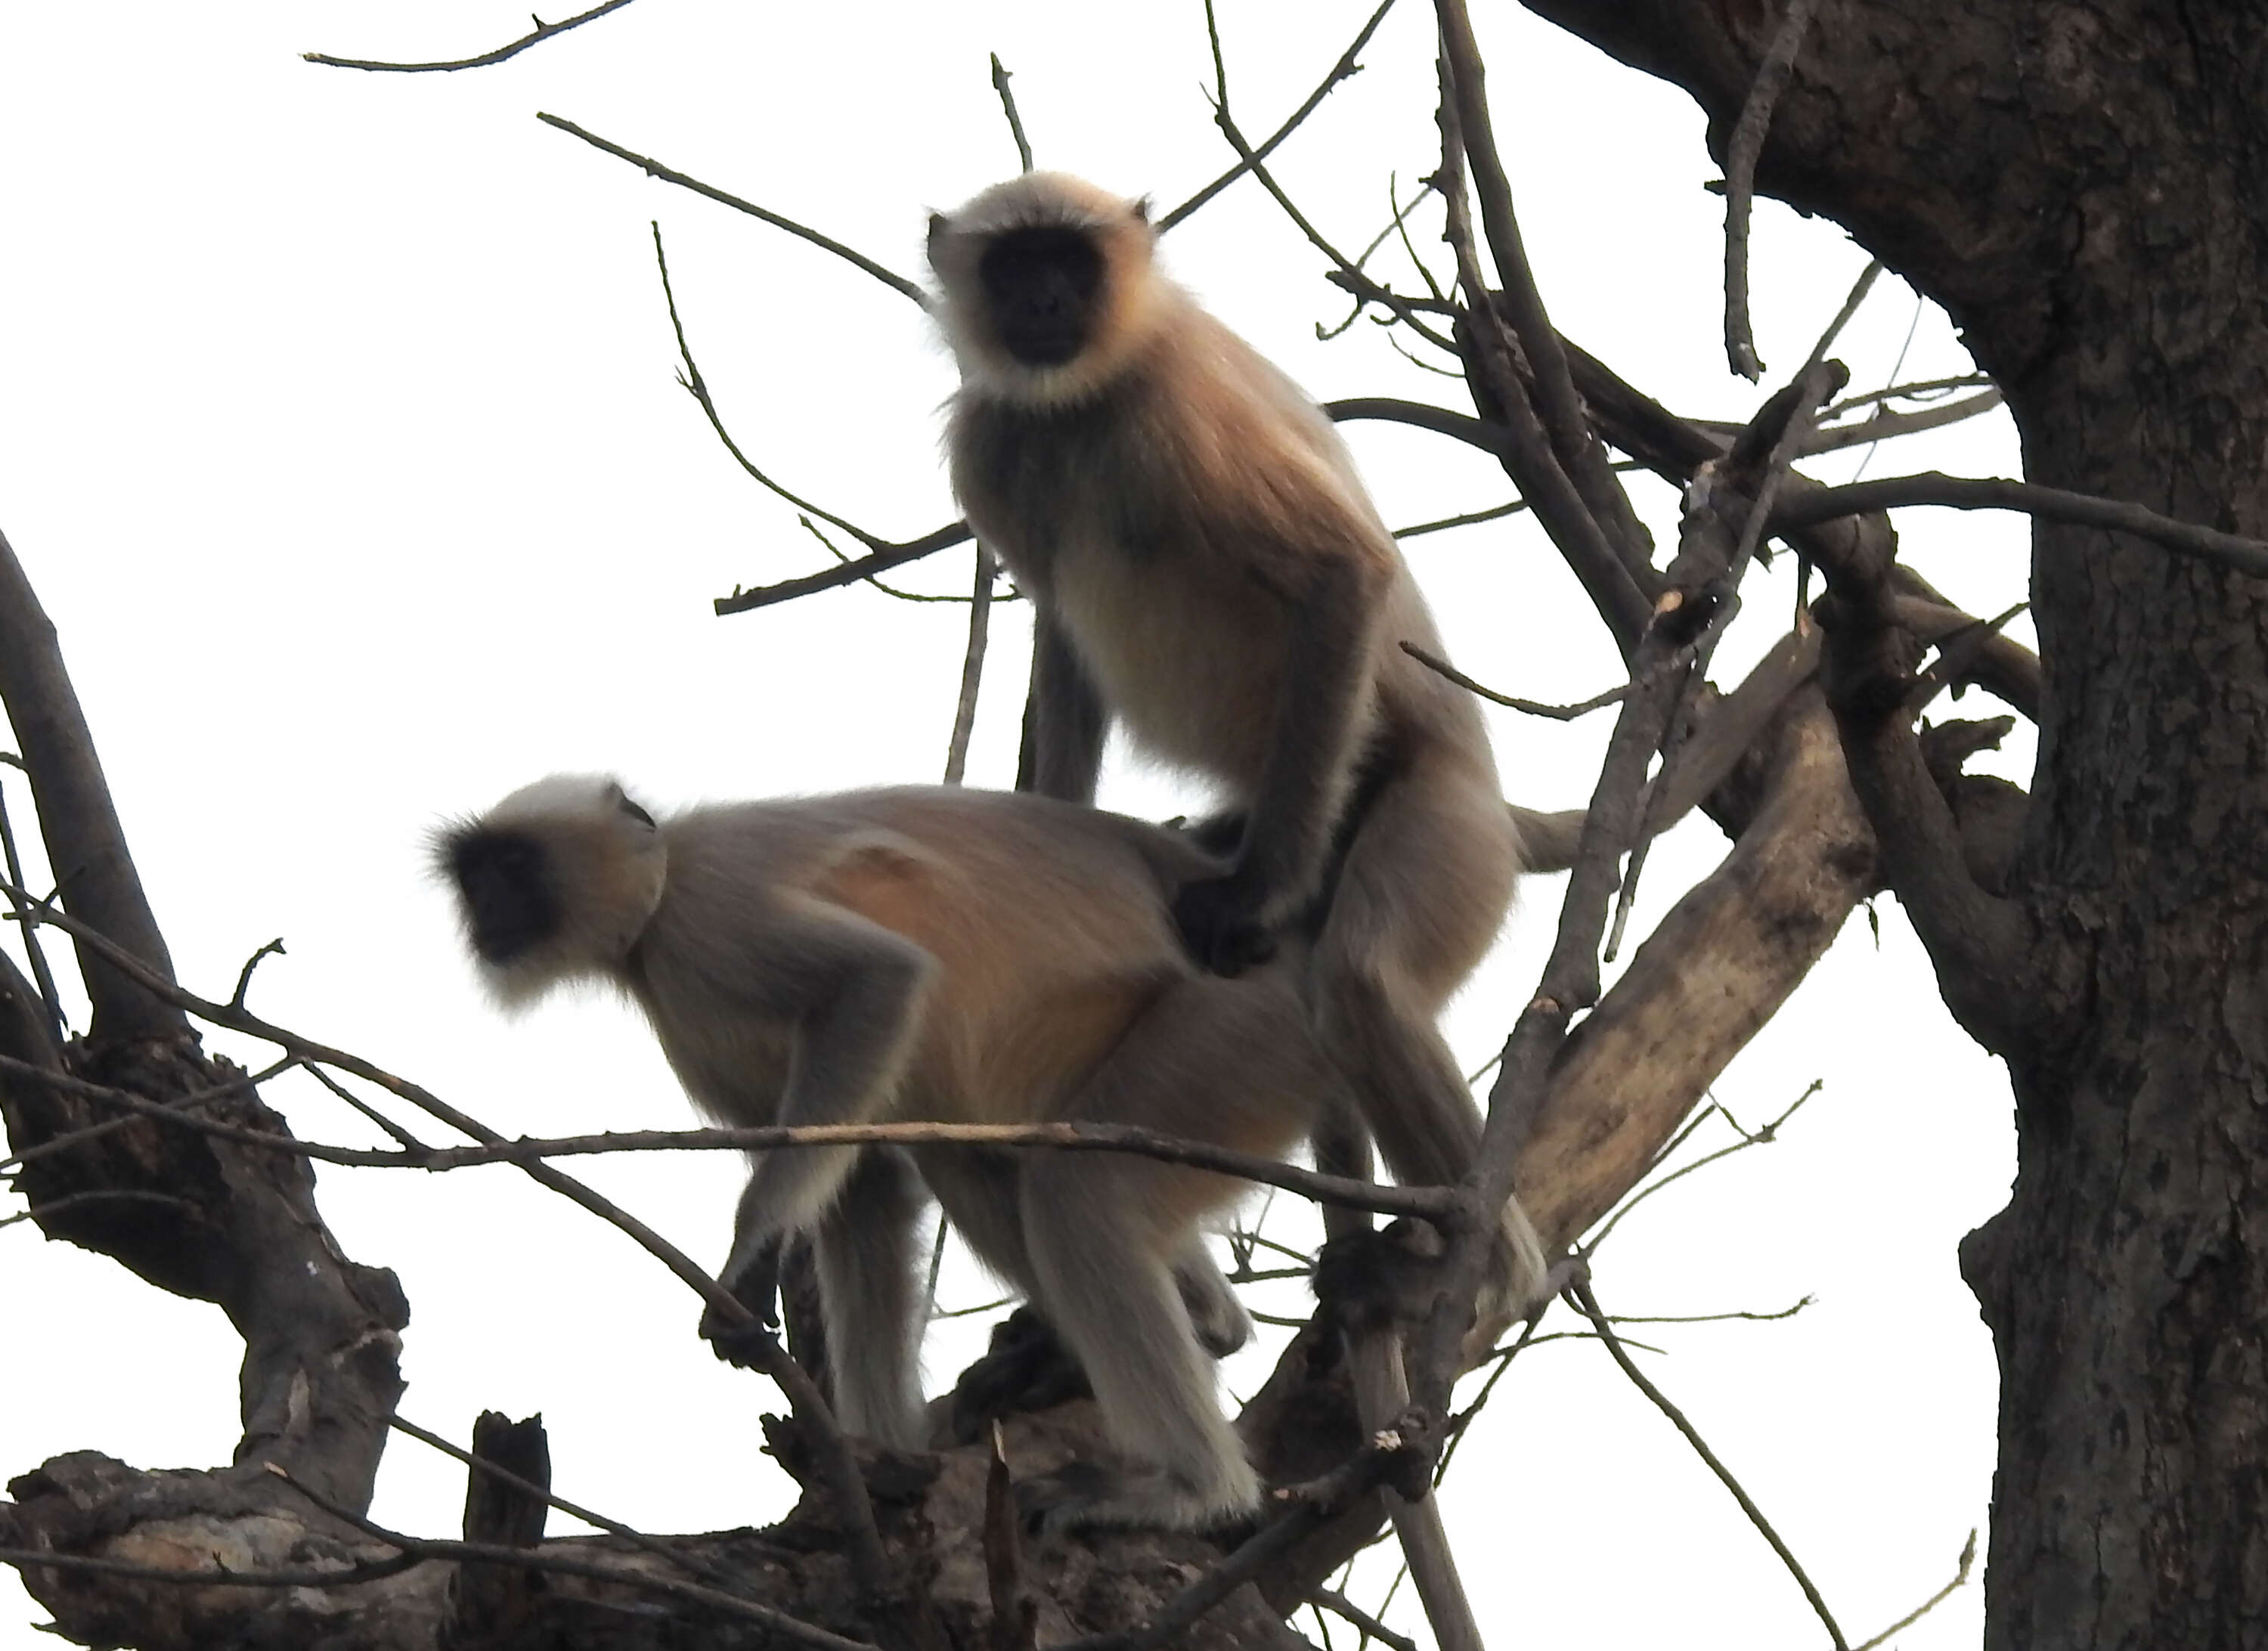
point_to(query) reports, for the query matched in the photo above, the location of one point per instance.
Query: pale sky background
(339, 437)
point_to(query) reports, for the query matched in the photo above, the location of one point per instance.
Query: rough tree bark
(2081, 186)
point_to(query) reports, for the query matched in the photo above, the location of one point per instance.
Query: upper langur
(935, 954)
(1205, 564)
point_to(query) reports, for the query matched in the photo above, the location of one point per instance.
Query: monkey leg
(1027, 1367)
(865, 1248)
(1426, 886)
(980, 1191)
(1113, 1239)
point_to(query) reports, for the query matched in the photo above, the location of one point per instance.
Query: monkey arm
(855, 990)
(1064, 720)
(1329, 658)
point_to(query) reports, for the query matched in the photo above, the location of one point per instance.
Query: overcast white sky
(339, 436)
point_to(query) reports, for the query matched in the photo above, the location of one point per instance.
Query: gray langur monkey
(935, 953)
(1205, 565)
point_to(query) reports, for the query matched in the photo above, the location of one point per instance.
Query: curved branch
(889, 278)
(542, 32)
(1969, 492)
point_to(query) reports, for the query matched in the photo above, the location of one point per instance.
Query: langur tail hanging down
(1206, 566)
(944, 955)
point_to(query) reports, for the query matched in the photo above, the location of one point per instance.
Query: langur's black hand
(1219, 917)
(756, 1287)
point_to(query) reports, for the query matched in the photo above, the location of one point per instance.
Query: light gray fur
(935, 953)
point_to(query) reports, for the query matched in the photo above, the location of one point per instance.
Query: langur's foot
(1083, 1496)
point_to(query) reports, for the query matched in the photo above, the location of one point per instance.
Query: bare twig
(274, 949)
(1000, 79)
(1764, 1137)
(1471, 519)
(1371, 1628)
(1965, 492)
(1346, 67)
(1960, 1580)
(852, 572)
(1599, 564)
(972, 665)
(1465, 93)
(530, 1153)
(896, 592)
(889, 278)
(1713, 1318)
(542, 32)
(882, 553)
(1918, 391)
(401, 1136)
(1885, 425)
(1533, 708)
(1580, 1297)
(1741, 154)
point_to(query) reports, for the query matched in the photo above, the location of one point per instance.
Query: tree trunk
(2082, 188)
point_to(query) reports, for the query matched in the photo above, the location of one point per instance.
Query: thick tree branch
(94, 872)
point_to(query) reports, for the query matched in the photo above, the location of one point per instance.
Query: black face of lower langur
(1040, 286)
(510, 904)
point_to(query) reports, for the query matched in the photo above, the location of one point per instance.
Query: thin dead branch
(542, 32)
(1000, 79)
(1533, 708)
(972, 665)
(1465, 90)
(1741, 154)
(1580, 1297)
(1960, 1580)
(653, 169)
(1344, 69)
(1885, 425)
(1811, 507)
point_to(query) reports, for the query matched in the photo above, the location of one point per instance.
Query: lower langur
(1205, 565)
(935, 954)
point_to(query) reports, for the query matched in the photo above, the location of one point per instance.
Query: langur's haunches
(1205, 565)
(944, 955)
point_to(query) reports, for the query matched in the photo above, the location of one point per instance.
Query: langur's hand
(1220, 920)
(756, 1287)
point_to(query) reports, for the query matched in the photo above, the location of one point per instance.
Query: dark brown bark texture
(2082, 188)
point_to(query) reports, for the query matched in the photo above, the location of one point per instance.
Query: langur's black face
(1040, 286)
(510, 902)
